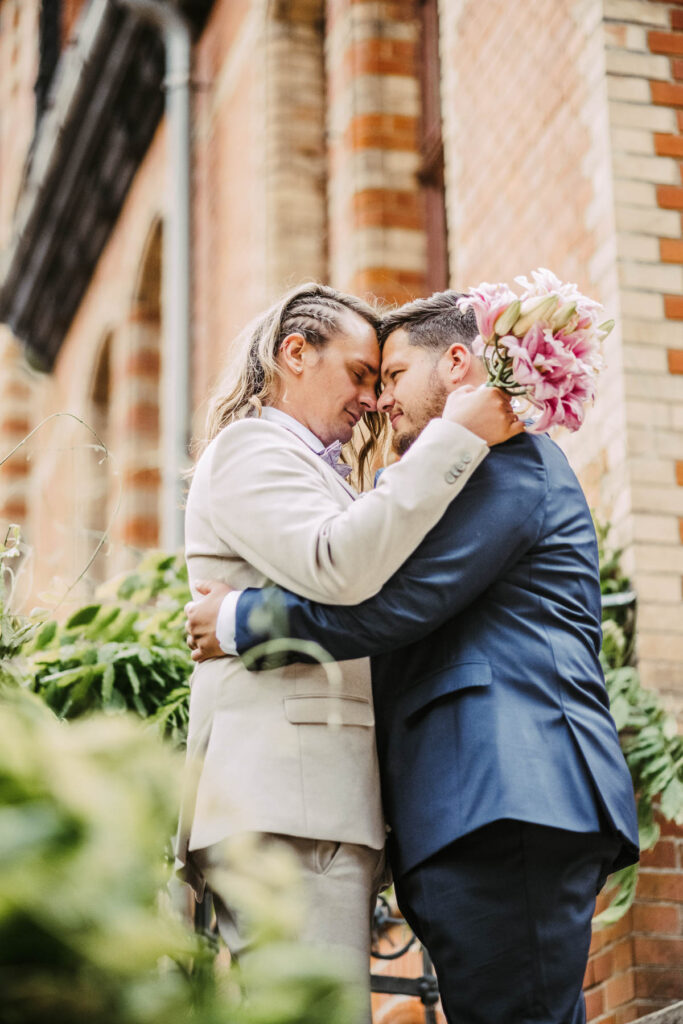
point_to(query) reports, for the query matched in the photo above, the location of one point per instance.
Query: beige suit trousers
(340, 883)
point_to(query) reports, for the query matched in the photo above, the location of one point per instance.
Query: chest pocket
(464, 675)
(323, 709)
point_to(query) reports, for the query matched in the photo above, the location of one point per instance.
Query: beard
(426, 407)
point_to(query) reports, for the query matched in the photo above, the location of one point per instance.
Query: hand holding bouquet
(543, 346)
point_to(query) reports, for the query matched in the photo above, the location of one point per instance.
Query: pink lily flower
(488, 302)
(555, 363)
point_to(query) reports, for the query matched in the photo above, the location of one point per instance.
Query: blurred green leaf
(83, 616)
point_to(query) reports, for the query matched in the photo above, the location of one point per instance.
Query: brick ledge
(669, 1015)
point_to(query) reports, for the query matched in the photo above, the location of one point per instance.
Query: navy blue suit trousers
(505, 913)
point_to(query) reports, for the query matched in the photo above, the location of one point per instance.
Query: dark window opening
(50, 36)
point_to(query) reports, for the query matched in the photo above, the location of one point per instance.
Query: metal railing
(423, 987)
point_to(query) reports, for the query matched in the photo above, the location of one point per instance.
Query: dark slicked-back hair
(433, 323)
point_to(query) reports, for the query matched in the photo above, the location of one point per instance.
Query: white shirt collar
(285, 420)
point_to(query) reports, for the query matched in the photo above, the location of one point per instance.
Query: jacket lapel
(326, 468)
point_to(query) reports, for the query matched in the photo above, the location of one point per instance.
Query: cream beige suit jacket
(264, 507)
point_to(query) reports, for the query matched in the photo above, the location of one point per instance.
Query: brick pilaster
(15, 424)
(295, 145)
(135, 426)
(376, 215)
(643, 42)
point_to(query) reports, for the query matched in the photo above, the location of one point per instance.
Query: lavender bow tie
(331, 455)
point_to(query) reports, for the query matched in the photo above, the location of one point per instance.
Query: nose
(368, 400)
(385, 401)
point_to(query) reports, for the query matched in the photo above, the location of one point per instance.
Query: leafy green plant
(649, 736)
(125, 652)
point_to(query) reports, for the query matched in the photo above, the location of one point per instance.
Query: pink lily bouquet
(543, 346)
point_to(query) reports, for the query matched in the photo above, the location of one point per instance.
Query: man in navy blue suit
(504, 786)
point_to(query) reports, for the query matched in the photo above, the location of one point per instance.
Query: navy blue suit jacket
(490, 700)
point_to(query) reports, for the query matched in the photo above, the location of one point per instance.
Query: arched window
(97, 468)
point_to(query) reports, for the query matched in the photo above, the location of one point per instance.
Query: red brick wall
(528, 178)
(636, 966)
(517, 145)
(229, 187)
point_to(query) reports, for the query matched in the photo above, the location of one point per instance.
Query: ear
(292, 352)
(458, 363)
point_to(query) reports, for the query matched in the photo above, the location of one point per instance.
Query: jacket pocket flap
(463, 675)
(323, 709)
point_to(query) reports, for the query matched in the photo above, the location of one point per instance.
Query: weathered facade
(390, 147)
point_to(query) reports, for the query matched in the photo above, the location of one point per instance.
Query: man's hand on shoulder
(202, 617)
(485, 411)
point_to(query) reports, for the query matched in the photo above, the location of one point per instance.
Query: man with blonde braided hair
(269, 502)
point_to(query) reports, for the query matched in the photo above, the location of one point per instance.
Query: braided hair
(313, 310)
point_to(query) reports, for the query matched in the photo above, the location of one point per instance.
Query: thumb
(203, 586)
(464, 389)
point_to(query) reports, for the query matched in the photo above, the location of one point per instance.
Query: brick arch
(147, 288)
(137, 414)
(96, 478)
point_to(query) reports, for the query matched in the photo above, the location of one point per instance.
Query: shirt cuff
(226, 623)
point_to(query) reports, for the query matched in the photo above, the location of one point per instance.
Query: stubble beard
(428, 407)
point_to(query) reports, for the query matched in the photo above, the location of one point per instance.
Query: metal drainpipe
(176, 301)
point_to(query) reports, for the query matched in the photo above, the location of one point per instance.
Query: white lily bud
(542, 310)
(507, 319)
(562, 316)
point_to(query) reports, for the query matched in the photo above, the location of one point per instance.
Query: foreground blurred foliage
(86, 933)
(87, 809)
(648, 733)
(84, 814)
